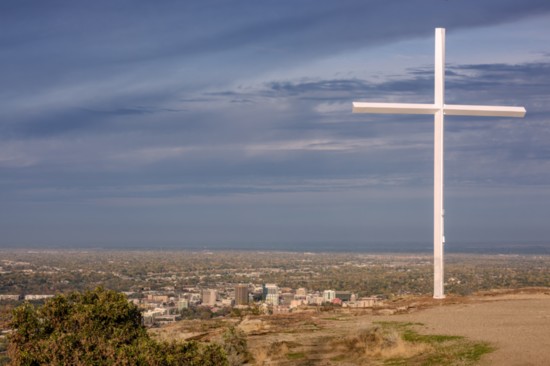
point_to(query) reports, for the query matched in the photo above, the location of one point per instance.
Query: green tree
(98, 327)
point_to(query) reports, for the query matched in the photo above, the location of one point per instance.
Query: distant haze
(486, 248)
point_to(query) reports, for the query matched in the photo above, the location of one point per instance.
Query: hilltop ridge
(497, 327)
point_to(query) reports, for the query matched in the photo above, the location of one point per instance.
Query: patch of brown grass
(378, 342)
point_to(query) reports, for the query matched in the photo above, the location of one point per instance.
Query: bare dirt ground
(517, 324)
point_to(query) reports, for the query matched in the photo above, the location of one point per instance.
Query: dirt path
(518, 325)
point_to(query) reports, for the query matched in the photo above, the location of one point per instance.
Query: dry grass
(378, 343)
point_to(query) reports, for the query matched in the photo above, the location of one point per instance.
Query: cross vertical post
(439, 124)
(439, 109)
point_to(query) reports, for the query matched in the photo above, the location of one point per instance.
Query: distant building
(148, 317)
(257, 294)
(343, 295)
(195, 298)
(38, 297)
(11, 297)
(301, 292)
(271, 294)
(209, 297)
(314, 299)
(297, 303)
(329, 295)
(182, 304)
(287, 298)
(241, 295)
(157, 298)
(166, 319)
(228, 302)
(365, 302)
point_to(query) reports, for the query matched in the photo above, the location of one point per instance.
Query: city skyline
(156, 124)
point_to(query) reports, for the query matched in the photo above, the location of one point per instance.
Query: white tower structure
(439, 109)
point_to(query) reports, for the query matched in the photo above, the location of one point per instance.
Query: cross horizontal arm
(394, 108)
(483, 110)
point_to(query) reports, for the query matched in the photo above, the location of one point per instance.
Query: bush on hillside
(98, 327)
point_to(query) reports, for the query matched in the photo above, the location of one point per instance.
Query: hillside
(491, 328)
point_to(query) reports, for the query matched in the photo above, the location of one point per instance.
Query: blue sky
(180, 122)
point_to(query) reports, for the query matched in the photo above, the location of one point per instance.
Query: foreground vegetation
(344, 339)
(441, 349)
(97, 327)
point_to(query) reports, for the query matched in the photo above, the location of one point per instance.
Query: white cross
(439, 109)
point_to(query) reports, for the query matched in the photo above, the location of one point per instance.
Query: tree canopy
(98, 327)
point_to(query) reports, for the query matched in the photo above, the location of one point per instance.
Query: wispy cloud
(183, 103)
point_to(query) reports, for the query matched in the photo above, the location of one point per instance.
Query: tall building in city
(209, 297)
(271, 294)
(329, 295)
(241, 295)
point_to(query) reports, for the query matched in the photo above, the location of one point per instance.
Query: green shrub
(98, 327)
